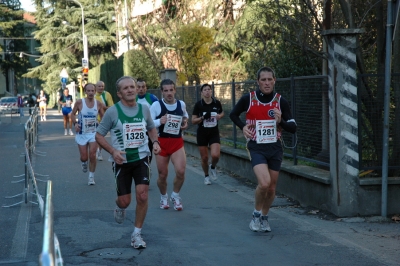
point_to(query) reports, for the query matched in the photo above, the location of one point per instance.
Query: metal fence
(371, 114)
(308, 97)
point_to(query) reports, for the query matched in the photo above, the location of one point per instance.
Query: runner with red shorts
(170, 116)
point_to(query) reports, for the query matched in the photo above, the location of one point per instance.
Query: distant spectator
(20, 105)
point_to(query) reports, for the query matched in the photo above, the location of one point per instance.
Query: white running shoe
(44, 118)
(255, 223)
(70, 132)
(84, 167)
(177, 203)
(137, 241)
(119, 215)
(65, 132)
(213, 173)
(207, 181)
(91, 181)
(264, 227)
(41, 118)
(99, 157)
(164, 203)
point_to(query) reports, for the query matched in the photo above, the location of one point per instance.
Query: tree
(193, 46)
(60, 33)
(12, 30)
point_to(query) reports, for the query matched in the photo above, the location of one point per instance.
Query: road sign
(85, 62)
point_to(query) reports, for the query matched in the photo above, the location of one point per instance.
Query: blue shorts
(270, 154)
(66, 110)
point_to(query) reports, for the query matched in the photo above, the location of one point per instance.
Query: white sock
(137, 231)
(174, 195)
(164, 196)
(91, 174)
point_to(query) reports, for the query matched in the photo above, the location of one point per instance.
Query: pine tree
(60, 34)
(12, 30)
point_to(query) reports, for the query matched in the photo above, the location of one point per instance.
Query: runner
(66, 102)
(206, 114)
(267, 113)
(170, 117)
(88, 108)
(148, 99)
(128, 122)
(107, 100)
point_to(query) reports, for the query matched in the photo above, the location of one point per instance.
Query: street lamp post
(84, 37)
(85, 59)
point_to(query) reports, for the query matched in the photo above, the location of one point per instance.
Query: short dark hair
(122, 78)
(141, 80)
(166, 82)
(205, 85)
(265, 69)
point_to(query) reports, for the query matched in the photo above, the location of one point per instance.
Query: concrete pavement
(211, 230)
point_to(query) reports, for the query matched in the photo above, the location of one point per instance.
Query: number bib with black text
(88, 124)
(134, 134)
(212, 121)
(173, 124)
(266, 131)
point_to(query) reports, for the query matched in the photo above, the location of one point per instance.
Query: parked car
(9, 104)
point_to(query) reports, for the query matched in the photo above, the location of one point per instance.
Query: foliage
(12, 26)
(138, 65)
(62, 43)
(193, 46)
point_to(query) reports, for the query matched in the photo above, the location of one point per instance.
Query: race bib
(68, 103)
(212, 121)
(173, 124)
(88, 124)
(266, 131)
(134, 134)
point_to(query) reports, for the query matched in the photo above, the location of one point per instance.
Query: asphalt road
(212, 229)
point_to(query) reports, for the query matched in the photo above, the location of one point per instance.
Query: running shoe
(84, 167)
(177, 203)
(91, 181)
(255, 223)
(207, 181)
(65, 132)
(119, 215)
(137, 241)
(71, 133)
(164, 203)
(264, 227)
(99, 157)
(213, 173)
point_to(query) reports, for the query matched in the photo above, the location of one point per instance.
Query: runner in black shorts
(128, 121)
(267, 114)
(138, 171)
(206, 114)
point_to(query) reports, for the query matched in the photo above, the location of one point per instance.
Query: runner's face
(168, 93)
(206, 92)
(141, 87)
(100, 87)
(66, 92)
(90, 91)
(266, 82)
(127, 90)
